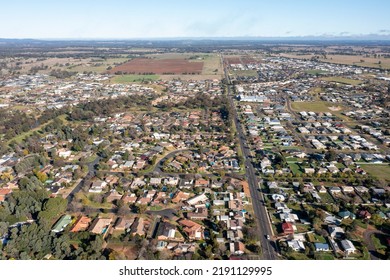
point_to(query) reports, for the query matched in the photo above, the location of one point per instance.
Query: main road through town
(260, 211)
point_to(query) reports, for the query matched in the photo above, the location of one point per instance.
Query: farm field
(159, 66)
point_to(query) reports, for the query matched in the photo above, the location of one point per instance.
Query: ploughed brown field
(242, 60)
(159, 66)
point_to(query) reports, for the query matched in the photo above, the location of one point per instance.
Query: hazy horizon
(119, 19)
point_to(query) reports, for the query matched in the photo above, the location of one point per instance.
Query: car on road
(268, 237)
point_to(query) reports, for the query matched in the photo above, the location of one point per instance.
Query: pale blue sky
(188, 18)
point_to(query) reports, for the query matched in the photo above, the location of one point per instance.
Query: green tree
(53, 208)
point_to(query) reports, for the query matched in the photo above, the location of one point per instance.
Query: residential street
(260, 211)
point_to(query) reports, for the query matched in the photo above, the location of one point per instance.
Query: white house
(196, 199)
(348, 247)
(296, 245)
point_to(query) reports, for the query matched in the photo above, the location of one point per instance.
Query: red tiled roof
(287, 228)
(4, 192)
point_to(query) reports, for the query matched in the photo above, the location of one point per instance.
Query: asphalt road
(260, 211)
(374, 255)
(91, 173)
(170, 213)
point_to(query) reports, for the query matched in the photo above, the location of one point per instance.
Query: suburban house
(81, 224)
(100, 226)
(236, 224)
(235, 235)
(287, 228)
(182, 248)
(321, 189)
(201, 183)
(235, 205)
(237, 248)
(171, 181)
(321, 247)
(364, 214)
(348, 247)
(197, 199)
(138, 227)
(123, 223)
(61, 224)
(168, 232)
(64, 153)
(334, 190)
(193, 230)
(129, 198)
(97, 186)
(335, 231)
(199, 214)
(180, 196)
(296, 245)
(346, 214)
(113, 195)
(288, 217)
(4, 193)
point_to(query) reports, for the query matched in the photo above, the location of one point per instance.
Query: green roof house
(344, 214)
(62, 223)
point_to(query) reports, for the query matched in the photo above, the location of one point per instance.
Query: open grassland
(320, 107)
(50, 63)
(95, 65)
(316, 106)
(380, 171)
(98, 65)
(247, 73)
(342, 80)
(316, 72)
(127, 79)
(315, 91)
(358, 60)
(295, 168)
(160, 56)
(212, 65)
